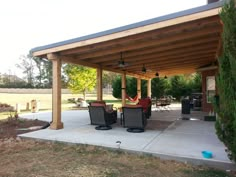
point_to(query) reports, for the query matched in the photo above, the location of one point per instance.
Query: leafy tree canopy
(80, 79)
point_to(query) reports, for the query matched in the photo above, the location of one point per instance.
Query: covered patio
(173, 44)
(177, 139)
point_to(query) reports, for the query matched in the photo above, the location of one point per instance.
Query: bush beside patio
(226, 81)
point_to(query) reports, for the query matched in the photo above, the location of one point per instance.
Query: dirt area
(11, 127)
(20, 158)
(30, 158)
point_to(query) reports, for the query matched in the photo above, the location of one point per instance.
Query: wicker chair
(134, 119)
(99, 116)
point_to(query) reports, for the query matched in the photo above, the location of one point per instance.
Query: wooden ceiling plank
(204, 60)
(177, 60)
(154, 49)
(149, 43)
(163, 56)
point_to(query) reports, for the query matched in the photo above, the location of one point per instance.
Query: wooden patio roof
(173, 44)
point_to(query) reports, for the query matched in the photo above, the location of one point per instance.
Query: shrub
(131, 87)
(5, 107)
(226, 81)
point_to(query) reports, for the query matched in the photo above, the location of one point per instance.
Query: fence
(44, 91)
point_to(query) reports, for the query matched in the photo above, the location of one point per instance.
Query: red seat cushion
(145, 103)
(132, 106)
(108, 108)
(98, 104)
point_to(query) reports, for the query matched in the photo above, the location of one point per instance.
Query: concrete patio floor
(183, 140)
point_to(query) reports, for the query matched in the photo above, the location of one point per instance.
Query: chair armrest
(122, 118)
(115, 108)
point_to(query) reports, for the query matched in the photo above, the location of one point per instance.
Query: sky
(25, 24)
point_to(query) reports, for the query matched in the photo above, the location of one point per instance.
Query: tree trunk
(84, 94)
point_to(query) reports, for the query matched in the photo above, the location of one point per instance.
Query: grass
(46, 101)
(30, 158)
(4, 115)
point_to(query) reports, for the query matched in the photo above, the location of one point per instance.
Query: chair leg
(103, 127)
(135, 130)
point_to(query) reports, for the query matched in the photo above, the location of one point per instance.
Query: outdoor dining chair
(99, 116)
(134, 119)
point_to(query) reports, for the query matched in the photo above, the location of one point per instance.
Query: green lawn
(46, 101)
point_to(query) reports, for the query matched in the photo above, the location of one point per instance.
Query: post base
(56, 126)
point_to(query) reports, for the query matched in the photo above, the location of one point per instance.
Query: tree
(116, 85)
(159, 87)
(226, 81)
(38, 64)
(43, 76)
(179, 87)
(131, 87)
(80, 79)
(27, 66)
(195, 83)
(47, 73)
(38, 71)
(108, 77)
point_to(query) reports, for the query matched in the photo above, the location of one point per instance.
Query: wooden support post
(149, 88)
(123, 89)
(56, 92)
(139, 88)
(99, 84)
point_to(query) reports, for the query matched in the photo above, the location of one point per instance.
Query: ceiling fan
(145, 70)
(121, 62)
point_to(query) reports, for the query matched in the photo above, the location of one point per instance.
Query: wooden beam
(72, 60)
(158, 32)
(99, 84)
(138, 88)
(150, 42)
(183, 67)
(149, 88)
(123, 88)
(67, 59)
(159, 25)
(56, 92)
(174, 72)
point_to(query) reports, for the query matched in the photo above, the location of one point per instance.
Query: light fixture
(121, 62)
(165, 77)
(157, 74)
(144, 70)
